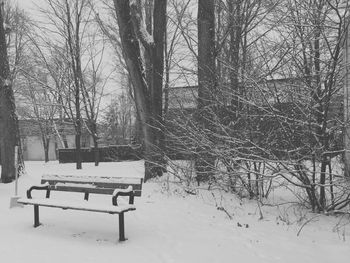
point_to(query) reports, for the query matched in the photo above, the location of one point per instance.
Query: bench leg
(86, 196)
(36, 216)
(121, 227)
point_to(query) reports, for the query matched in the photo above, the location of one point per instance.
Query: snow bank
(168, 226)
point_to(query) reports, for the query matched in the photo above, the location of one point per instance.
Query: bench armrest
(45, 186)
(123, 192)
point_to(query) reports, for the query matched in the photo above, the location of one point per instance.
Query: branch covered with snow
(5, 82)
(7, 28)
(139, 26)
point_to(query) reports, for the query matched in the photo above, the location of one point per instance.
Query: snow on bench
(113, 186)
(91, 179)
(98, 184)
(76, 205)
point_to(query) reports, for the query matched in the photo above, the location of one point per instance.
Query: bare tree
(276, 113)
(70, 22)
(148, 94)
(37, 102)
(119, 120)
(314, 32)
(93, 89)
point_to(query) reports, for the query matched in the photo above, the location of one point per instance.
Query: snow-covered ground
(168, 226)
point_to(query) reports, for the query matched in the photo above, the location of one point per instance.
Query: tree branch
(140, 27)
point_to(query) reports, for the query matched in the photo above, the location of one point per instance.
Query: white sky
(29, 5)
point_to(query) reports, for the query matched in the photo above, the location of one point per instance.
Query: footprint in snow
(102, 240)
(242, 225)
(78, 234)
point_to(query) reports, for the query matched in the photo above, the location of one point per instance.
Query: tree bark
(347, 100)
(8, 118)
(207, 87)
(234, 8)
(96, 152)
(93, 132)
(73, 42)
(78, 148)
(46, 142)
(147, 94)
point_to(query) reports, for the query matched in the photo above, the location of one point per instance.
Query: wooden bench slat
(91, 184)
(92, 179)
(79, 189)
(82, 205)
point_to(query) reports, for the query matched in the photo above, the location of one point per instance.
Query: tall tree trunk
(167, 74)
(319, 100)
(73, 47)
(234, 8)
(138, 129)
(346, 64)
(78, 127)
(159, 29)
(206, 84)
(8, 118)
(147, 88)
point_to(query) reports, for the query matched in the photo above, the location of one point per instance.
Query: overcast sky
(30, 6)
(27, 4)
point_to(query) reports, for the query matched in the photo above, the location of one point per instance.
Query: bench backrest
(91, 184)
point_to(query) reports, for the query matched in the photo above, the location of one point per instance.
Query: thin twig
(308, 221)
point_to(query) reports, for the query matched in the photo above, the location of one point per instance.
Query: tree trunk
(147, 94)
(346, 64)
(167, 74)
(138, 136)
(159, 29)
(235, 41)
(78, 150)
(206, 85)
(96, 151)
(74, 45)
(8, 118)
(46, 149)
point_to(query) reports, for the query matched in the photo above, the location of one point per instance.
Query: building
(61, 135)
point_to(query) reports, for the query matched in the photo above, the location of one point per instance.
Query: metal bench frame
(49, 185)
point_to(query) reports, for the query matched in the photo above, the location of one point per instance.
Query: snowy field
(167, 227)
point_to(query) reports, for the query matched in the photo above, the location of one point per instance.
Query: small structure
(62, 135)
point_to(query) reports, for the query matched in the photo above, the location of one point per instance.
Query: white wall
(34, 149)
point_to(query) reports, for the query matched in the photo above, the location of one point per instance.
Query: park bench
(113, 186)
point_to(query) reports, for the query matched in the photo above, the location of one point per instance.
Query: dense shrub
(107, 154)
